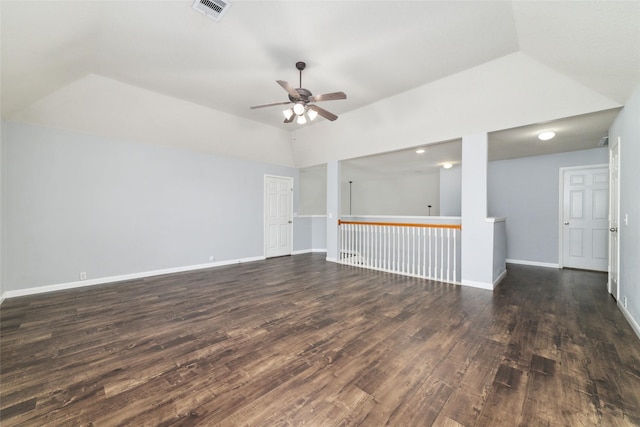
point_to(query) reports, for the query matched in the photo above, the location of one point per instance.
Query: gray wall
(526, 192)
(313, 191)
(381, 193)
(627, 127)
(451, 191)
(311, 233)
(81, 203)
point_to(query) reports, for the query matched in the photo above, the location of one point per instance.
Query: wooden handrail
(402, 224)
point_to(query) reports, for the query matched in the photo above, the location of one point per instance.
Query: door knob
(290, 221)
(613, 229)
(566, 223)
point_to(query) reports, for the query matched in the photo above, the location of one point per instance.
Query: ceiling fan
(303, 100)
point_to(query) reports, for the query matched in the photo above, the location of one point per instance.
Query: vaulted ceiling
(65, 62)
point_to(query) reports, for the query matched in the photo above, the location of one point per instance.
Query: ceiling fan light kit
(288, 113)
(304, 102)
(298, 108)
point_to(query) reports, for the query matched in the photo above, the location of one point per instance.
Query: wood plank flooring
(299, 341)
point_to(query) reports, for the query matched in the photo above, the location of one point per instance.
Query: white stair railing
(430, 251)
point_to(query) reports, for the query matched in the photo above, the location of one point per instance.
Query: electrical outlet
(212, 258)
(83, 275)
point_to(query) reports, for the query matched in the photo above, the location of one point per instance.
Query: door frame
(617, 294)
(562, 170)
(265, 236)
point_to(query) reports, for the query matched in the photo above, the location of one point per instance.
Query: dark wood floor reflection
(299, 341)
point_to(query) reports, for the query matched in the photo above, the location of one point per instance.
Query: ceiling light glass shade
(298, 109)
(301, 120)
(312, 114)
(447, 165)
(288, 113)
(546, 135)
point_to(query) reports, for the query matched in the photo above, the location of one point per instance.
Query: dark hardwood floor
(299, 341)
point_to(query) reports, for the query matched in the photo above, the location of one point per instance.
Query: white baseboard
(634, 324)
(533, 263)
(121, 278)
(499, 279)
(308, 251)
(332, 259)
(481, 285)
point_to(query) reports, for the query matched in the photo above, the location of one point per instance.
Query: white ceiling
(371, 50)
(572, 134)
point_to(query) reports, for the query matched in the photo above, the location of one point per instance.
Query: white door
(613, 217)
(585, 218)
(278, 212)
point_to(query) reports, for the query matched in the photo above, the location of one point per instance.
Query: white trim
(634, 324)
(123, 277)
(311, 216)
(561, 172)
(499, 279)
(618, 145)
(480, 285)
(498, 219)
(308, 251)
(402, 216)
(534, 263)
(332, 259)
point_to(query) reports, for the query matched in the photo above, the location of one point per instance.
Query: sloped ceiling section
(506, 93)
(596, 43)
(414, 71)
(97, 105)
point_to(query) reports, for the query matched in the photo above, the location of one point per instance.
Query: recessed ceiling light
(420, 151)
(546, 135)
(447, 165)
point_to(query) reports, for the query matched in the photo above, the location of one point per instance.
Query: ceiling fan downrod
(300, 66)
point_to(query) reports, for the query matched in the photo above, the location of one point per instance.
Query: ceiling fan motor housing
(304, 95)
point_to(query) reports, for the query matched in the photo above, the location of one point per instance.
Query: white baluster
(441, 254)
(455, 255)
(413, 243)
(351, 228)
(448, 252)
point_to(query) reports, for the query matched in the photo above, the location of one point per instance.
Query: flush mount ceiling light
(546, 135)
(447, 165)
(420, 151)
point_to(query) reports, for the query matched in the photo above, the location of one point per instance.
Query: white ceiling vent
(214, 9)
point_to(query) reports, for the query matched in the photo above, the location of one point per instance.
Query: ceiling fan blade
(290, 89)
(290, 119)
(270, 105)
(324, 113)
(328, 97)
